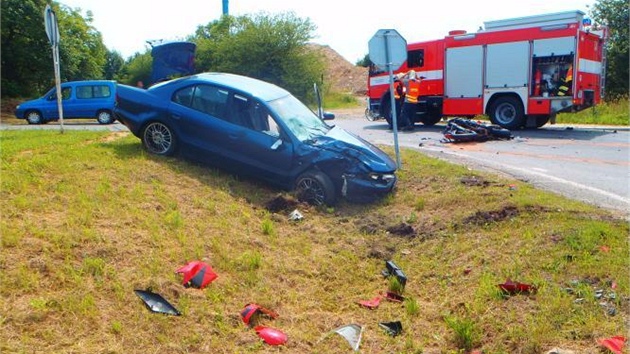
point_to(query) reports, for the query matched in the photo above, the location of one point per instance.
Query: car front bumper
(367, 188)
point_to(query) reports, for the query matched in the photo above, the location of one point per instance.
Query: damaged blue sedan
(255, 128)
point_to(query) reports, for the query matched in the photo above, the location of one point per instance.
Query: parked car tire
(34, 117)
(105, 117)
(159, 139)
(315, 188)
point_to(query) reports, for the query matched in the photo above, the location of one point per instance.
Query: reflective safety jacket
(413, 90)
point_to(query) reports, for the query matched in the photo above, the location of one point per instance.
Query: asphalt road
(587, 163)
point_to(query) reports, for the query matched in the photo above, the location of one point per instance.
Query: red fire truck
(520, 72)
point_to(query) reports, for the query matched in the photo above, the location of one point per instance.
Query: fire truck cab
(520, 72)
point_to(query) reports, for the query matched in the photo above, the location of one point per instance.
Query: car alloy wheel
(314, 187)
(158, 139)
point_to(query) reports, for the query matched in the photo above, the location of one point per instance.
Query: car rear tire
(34, 117)
(159, 139)
(105, 117)
(507, 112)
(315, 188)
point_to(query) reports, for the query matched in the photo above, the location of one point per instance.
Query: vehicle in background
(520, 72)
(80, 99)
(255, 128)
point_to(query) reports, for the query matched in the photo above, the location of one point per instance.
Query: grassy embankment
(87, 217)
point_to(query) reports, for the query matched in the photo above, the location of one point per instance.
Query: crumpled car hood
(343, 142)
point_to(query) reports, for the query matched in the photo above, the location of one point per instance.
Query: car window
(184, 96)
(211, 100)
(84, 92)
(65, 94)
(249, 113)
(102, 91)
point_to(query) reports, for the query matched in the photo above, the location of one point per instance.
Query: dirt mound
(341, 75)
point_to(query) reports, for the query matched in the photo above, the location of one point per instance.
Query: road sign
(387, 47)
(52, 29)
(388, 51)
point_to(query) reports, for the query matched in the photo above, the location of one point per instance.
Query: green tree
(137, 69)
(365, 62)
(272, 48)
(614, 14)
(114, 64)
(27, 66)
(83, 54)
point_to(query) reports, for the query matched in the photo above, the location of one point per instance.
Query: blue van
(80, 99)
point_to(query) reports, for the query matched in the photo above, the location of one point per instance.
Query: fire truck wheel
(507, 112)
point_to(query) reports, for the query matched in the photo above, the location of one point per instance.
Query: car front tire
(104, 117)
(159, 139)
(34, 117)
(315, 188)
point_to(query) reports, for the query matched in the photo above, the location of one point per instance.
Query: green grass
(616, 112)
(87, 217)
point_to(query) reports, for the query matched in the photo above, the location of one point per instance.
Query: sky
(346, 26)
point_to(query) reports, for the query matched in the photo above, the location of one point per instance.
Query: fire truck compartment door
(464, 68)
(507, 65)
(554, 46)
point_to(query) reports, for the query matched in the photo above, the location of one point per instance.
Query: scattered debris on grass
(513, 288)
(271, 336)
(156, 303)
(392, 328)
(352, 333)
(372, 303)
(614, 344)
(250, 314)
(197, 274)
(391, 269)
(296, 215)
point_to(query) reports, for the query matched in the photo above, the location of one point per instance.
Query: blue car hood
(340, 141)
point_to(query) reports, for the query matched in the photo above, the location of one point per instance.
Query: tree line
(271, 47)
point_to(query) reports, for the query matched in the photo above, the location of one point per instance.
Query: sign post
(52, 31)
(388, 50)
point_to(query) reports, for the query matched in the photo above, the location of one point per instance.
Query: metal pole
(392, 100)
(58, 85)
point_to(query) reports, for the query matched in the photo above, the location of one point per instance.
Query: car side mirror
(329, 116)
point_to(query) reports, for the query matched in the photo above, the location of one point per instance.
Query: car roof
(262, 90)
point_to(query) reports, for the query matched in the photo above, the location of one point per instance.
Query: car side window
(264, 122)
(84, 92)
(102, 91)
(184, 96)
(211, 100)
(65, 94)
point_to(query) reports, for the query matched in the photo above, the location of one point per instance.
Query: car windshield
(298, 118)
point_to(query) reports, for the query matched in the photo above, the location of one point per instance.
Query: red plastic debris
(604, 249)
(614, 344)
(197, 274)
(250, 311)
(371, 304)
(271, 336)
(512, 288)
(391, 296)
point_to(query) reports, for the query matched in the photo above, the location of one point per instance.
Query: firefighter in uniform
(399, 93)
(565, 86)
(412, 86)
